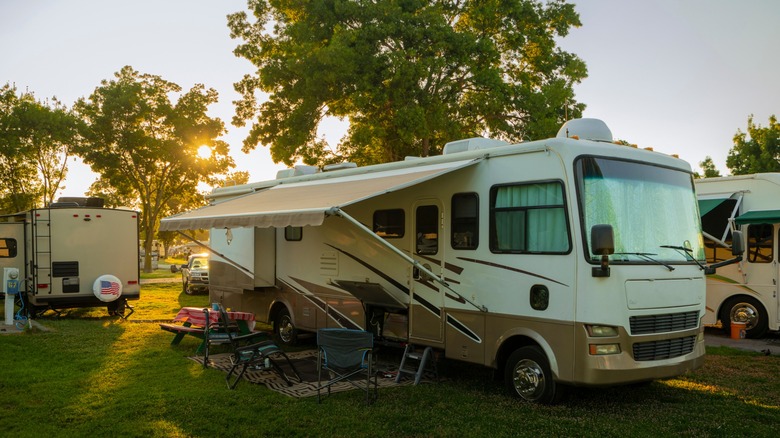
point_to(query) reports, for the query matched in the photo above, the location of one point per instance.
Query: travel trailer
(567, 261)
(69, 255)
(745, 292)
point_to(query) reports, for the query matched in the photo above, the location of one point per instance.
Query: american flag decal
(109, 288)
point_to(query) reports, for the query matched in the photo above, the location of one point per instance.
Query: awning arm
(715, 239)
(211, 250)
(335, 211)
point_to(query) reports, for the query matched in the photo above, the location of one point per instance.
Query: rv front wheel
(748, 310)
(284, 328)
(528, 376)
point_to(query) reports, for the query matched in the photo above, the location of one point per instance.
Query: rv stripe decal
(463, 329)
(317, 301)
(423, 302)
(509, 268)
(376, 271)
(448, 266)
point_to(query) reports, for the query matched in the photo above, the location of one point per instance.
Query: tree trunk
(148, 250)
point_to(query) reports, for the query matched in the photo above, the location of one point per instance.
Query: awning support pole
(335, 211)
(209, 249)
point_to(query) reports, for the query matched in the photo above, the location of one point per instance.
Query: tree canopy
(35, 142)
(708, 166)
(757, 150)
(409, 75)
(145, 147)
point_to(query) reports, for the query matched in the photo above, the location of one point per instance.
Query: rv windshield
(652, 210)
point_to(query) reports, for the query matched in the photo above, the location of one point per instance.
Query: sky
(680, 76)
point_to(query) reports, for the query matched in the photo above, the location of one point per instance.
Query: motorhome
(745, 292)
(566, 261)
(71, 254)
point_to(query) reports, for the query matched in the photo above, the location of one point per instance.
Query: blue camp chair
(345, 355)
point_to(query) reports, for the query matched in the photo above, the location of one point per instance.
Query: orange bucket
(738, 330)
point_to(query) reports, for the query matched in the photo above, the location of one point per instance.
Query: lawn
(95, 375)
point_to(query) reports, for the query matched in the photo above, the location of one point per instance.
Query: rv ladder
(41, 241)
(421, 358)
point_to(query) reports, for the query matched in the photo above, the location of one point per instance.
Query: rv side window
(465, 221)
(293, 234)
(427, 219)
(528, 218)
(7, 247)
(389, 223)
(760, 243)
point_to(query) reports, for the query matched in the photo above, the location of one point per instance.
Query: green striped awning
(759, 217)
(707, 205)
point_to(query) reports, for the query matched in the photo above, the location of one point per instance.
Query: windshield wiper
(687, 252)
(646, 256)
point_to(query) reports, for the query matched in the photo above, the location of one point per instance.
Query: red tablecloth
(196, 316)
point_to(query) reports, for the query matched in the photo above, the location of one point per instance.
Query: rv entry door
(427, 296)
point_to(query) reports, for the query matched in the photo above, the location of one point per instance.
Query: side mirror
(737, 244)
(602, 242)
(737, 249)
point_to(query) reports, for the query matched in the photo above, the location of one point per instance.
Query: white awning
(304, 203)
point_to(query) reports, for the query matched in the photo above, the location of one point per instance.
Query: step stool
(420, 357)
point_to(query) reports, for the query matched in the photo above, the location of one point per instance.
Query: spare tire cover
(107, 288)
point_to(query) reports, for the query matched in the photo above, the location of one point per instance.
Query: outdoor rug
(306, 364)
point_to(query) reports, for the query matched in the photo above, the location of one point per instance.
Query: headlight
(602, 349)
(601, 331)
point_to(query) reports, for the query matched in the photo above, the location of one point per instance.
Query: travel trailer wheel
(117, 308)
(284, 328)
(528, 376)
(748, 310)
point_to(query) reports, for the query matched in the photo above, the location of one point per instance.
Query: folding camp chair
(344, 354)
(247, 352)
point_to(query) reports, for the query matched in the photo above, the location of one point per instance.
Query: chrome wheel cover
(744, 312)
(286, 329)
(528, 379)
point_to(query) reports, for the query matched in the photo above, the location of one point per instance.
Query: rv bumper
(640, 358)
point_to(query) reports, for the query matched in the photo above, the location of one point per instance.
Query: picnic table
(194, 323)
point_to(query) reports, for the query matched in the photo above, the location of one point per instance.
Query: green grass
(95, 375)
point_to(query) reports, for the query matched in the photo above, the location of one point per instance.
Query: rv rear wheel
(748, 310)
(528, 376)
(284, 328)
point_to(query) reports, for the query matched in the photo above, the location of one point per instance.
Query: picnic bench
(194, 322)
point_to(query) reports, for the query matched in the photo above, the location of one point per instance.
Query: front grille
(665, 349)
(670, 322)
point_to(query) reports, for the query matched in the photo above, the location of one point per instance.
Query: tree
(146, 146)
(708, 166)
(35, 141)
(409, 75)
(756, 151)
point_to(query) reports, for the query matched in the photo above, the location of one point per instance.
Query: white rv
(71, 256)
(567, 261)
(744, 292)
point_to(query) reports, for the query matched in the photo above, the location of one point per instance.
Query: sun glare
(204, 151)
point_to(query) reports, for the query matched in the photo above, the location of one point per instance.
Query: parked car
(195, 274)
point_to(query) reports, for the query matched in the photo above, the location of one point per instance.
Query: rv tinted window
(7, 247)
(760, 243)
(528, 218)
(465, 221)
(389, 223)
(293, 234)
(427, 218)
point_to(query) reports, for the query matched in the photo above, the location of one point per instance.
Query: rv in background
(567, 261)
(744, 292)
(73, 254)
